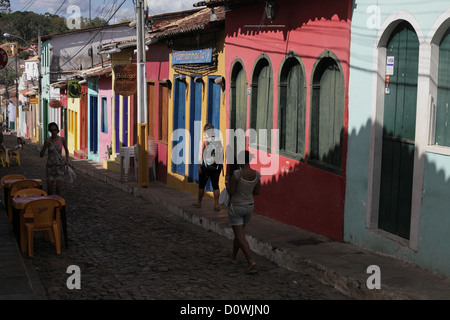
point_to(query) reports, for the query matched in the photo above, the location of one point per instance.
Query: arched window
(442, 135)
(292, 109)
(238, 106)
(327, 114)
(262, 103)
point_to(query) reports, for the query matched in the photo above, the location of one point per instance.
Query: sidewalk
(338, 264)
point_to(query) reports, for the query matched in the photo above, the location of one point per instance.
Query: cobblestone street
(127, 248)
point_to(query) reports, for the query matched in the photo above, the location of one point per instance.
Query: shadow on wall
(394, 213)
(306, 14)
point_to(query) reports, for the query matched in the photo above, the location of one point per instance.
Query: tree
(5, 6)
(24, 55)
(93, 23)
(28, 25)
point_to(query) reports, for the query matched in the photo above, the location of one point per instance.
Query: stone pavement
(340, 265)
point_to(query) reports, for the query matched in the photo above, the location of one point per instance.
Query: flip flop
(217, 208)
(196, 205)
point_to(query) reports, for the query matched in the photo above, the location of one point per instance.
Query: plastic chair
(46, 217)
(12, 177)
(5, 193)
(23, 184)
(14, 154)
(19, 185)
(31, 192)
(3, 157)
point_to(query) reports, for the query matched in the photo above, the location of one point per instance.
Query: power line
(28, 5)
(93, 37)
(60, 7)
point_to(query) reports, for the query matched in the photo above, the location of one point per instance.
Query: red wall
(157, 69)
(298, 194)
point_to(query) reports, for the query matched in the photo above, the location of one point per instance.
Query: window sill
(443, 150)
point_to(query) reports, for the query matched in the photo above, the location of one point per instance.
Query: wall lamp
(166, 82)
(271, 10)
(180, 78)
(220, 81)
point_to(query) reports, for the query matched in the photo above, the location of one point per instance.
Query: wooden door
(195, 128)
(93, 127)
(213, 111)
(125, 122)
(84, 119)
(238, 108)
(399, 133)
(151, 101)
(179, 109)
(117, 123)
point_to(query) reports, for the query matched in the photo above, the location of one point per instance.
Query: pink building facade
(290, 77)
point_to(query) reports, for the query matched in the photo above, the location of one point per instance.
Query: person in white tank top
(243, 186)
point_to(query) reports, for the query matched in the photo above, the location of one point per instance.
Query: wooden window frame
(261, 63)
(325, 60)
(292, 60)
(163, 112)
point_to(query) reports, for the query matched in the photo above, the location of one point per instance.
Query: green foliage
(5, 6)
(24, 55)
(92, 23)
(27, 25)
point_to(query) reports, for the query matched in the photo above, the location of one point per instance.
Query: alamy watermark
(374, 280)
(74, 281)
(237, 140)
(74, 20)
(374, 20)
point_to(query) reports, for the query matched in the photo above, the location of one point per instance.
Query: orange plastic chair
(14, 154)
(24, 184)
(31, 192)
(3, 157)
(19, 185)
(46, 217)
(12, 177)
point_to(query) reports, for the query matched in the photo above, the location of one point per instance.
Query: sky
(100, 8)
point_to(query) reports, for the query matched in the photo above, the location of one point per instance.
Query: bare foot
(250, 268)
(233, 260)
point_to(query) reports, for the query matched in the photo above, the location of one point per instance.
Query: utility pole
(7, 98)
(17, 95)
(41, 134)
(143, 165)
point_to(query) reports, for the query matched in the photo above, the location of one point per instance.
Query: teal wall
(433, 245)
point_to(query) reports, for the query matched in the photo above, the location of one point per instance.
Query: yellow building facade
(197, 97)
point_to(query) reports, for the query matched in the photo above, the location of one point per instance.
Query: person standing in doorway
(211, 165)
(55, 166)
(243, 186)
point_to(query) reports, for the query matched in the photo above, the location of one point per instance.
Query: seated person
(13, 151)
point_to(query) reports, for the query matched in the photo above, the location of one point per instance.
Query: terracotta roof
(193, 23)
(228, 3)
(158, 22)
(99, 71)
